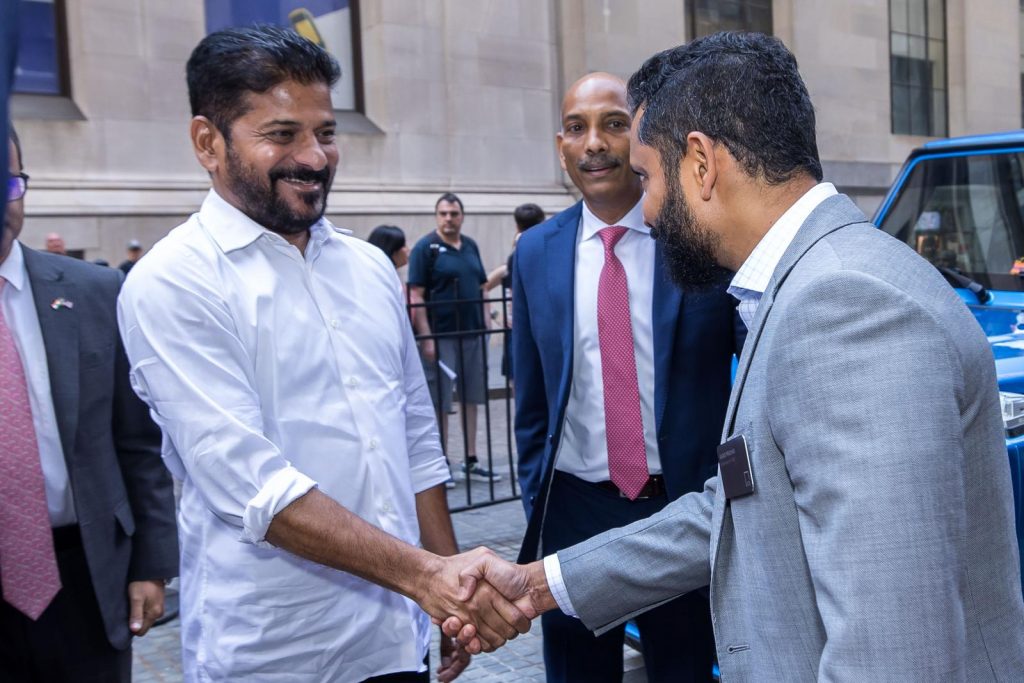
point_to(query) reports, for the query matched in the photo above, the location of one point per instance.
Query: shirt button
(335, 324)
(385, 507)
(373, 444)
(352, 382)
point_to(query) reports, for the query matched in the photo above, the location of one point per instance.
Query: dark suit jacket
(695, 337)
(123, 495)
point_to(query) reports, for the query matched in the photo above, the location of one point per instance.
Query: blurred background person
(133, 253)
(55, 244)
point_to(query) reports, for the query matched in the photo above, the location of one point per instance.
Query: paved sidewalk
(500, 527)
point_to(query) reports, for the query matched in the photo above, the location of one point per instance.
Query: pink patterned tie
(28, 565)
(624, 426)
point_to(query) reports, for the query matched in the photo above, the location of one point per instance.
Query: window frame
(62, 59)
(692, 17)
(929, 88)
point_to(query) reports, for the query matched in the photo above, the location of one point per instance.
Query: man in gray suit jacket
(72, 426)
(860, 527)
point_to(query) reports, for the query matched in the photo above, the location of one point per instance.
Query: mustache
(598, 161)
(306, 175)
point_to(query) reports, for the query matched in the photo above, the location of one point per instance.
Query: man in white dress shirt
(275, 351)
(618, 400)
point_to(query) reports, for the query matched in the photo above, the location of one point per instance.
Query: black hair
(13, 136)
(228, 65)
(451, 199)
(740, 89)
(527, 216)
(388, 238)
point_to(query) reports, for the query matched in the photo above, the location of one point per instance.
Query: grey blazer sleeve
(616, 575)
(866, 395)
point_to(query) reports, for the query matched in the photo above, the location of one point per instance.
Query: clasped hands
(482, 600)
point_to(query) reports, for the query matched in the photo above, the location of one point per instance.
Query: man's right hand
(443, 592)
(524, 585)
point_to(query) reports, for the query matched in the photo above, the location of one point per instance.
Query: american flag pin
(60, 302)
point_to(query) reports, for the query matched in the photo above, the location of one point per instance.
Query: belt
(654, 487)
(67, 537)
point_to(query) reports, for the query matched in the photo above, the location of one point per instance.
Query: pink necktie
(28, 565)
(624, 426)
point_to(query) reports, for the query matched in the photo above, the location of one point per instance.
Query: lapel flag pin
(60, 302)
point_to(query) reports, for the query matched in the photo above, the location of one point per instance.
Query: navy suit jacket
(123, 494)
(695, 338)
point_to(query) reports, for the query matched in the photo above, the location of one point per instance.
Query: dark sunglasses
(17, 186)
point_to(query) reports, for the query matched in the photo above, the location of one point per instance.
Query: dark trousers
(404, 676)
(68, 644)
(677, 638)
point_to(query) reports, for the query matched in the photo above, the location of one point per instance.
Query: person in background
(55, 244)
(87, 531)
(526, 216)
(133, 252)
(8, 60)
(445, 266)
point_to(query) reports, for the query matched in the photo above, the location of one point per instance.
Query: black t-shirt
(447, 274)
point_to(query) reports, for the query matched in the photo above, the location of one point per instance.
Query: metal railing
(497, 424)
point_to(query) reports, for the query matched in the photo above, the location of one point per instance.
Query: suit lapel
(60, 337)
(559, 269)
(832, 214)
(667, 305)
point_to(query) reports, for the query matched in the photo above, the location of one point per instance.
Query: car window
(965, 213)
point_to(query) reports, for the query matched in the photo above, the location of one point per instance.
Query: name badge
(737, 475)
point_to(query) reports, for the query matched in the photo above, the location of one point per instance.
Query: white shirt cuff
(553, 573)
(278, 493)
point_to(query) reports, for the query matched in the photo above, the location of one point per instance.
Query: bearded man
(275, 352)
(861, 524)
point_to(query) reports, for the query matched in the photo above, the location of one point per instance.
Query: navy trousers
(677, 637)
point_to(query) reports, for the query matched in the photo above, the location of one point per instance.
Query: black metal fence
(494, 416)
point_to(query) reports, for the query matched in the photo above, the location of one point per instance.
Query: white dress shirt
(751, 280)
(22, 318)
(271, 372)
(749, 283)
(583, 450)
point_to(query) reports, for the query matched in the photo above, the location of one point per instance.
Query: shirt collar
(756, 272)
(13, 267)
(232, 229)
(634, 220)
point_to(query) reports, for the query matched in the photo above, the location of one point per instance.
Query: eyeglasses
(17, 186)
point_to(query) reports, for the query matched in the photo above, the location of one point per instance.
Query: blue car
(960, 204)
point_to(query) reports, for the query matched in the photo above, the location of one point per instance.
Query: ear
(705, 166)
(207, 143)
(558, 147)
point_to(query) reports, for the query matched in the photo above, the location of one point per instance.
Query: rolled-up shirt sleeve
(189, 365)
(427, 466)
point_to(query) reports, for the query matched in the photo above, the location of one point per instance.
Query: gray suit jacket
(122, 491)
(879, 544)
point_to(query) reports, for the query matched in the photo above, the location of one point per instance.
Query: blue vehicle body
(966, 214)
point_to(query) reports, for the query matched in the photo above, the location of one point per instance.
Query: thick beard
(689, 247)
(261, 202)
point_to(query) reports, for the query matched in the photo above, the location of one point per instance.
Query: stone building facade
(463, 96)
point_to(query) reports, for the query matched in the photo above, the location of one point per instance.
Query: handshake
(482, 600)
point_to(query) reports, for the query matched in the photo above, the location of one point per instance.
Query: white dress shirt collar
(231, 229)
(13, 267)
(756, 272)
(634, 220)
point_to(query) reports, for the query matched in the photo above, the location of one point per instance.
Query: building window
(917, 66)
(42, 59)
(332, 24)
(712, 16)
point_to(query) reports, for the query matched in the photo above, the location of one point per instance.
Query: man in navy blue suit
(621, 385)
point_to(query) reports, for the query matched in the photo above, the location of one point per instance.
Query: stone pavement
(500, 527)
